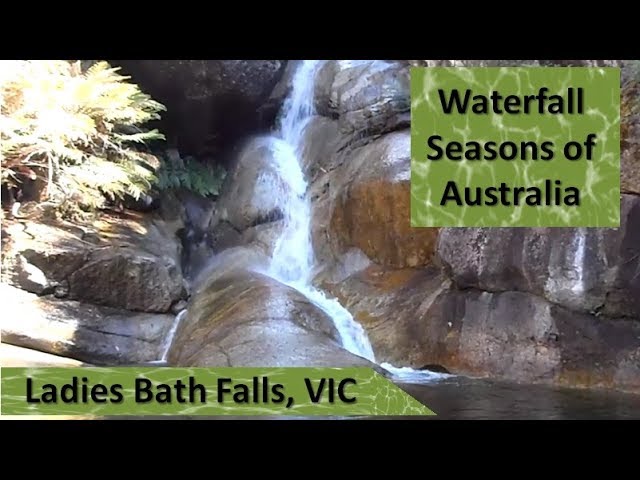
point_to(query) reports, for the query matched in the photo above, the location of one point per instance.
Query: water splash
(409, 375)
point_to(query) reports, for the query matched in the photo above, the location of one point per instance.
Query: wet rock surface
(253, 188)
(418, 317)
(592, 270)
(247, 319)
(364, 203)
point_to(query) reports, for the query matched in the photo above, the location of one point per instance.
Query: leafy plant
(190, 174)
(76, 128)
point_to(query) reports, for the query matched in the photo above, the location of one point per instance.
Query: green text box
(252, 391)
(597, 180)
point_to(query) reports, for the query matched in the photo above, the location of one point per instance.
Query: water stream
(293, 258)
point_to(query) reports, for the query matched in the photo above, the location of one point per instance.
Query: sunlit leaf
(56, 116)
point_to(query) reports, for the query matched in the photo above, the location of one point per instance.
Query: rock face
(131, 263)
(367, 97)
(251, 206)
(369, 201)
(588, 269)
(533, 305)
(360, 179)
(103, 290)
(253, 189)
(244, 318)
(392, 305)
(12, 356)
(361, 201)
(418, 317)
(630, 128)
(81, 331)
(210, 103)
(263, 236)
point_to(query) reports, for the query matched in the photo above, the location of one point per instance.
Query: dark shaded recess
(272, 216)
(211, 105)
(234, 118)
(432, 367)
(163, 92)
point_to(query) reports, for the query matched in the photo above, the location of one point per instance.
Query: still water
(464, 398)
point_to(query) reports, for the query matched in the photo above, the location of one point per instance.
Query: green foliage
(75, 128)
(190, 174)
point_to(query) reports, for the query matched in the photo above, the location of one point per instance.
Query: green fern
(202, 179)
(76, 128)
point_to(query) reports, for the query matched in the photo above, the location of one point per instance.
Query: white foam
(409, 375)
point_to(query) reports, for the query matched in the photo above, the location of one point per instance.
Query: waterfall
(292, 260)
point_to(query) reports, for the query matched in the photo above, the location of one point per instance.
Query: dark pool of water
(464, 398)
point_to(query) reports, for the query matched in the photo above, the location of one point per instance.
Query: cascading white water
(292, 260)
